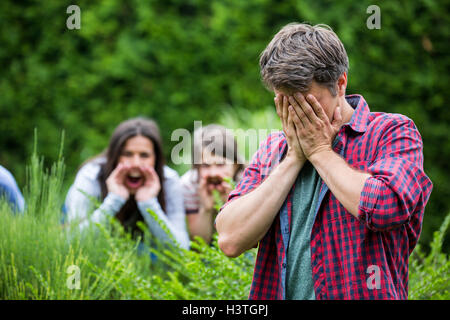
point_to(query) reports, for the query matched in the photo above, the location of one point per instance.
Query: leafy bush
(430, 274)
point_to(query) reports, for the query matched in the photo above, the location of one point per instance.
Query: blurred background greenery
(183, 60)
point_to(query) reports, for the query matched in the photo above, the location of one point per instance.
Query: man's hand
(246, 220)
(287, 121)
(314, 130)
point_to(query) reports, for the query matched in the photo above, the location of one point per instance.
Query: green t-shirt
(299, 282)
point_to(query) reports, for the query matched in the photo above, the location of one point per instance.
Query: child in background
(215, 157)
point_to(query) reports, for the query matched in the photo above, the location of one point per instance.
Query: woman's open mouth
(134, 180)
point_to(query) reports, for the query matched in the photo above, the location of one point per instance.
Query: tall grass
(37, 255)
(430, 274)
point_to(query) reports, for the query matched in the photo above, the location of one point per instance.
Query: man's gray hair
(300, 53)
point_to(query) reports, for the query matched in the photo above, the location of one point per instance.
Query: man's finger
(298, 128)
(318, 109)
(285, 110)
(296, 120)
(298, 111)
(337, 117)
(277, 105)
(306, 108)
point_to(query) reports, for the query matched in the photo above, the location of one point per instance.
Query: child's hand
(205, 194)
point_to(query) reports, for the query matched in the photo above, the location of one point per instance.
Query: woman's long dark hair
(124, 131)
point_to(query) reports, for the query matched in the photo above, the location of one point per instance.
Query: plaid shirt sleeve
(398, 190)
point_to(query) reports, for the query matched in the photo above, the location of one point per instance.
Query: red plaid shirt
(348, 253)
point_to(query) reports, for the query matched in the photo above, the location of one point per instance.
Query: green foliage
(430, 274)
(218, 202)
(204, 272)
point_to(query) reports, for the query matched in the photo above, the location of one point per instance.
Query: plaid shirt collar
(360, 117)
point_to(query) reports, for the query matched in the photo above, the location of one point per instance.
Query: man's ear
(342, 84)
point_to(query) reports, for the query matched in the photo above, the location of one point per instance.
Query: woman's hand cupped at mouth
(150, 184)
(115, 182)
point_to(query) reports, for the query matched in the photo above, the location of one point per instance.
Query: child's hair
(217, 140)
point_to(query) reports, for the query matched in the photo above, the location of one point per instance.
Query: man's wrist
(320, 155)
(292, 160)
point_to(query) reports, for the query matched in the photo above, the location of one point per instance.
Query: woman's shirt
(80, 201)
